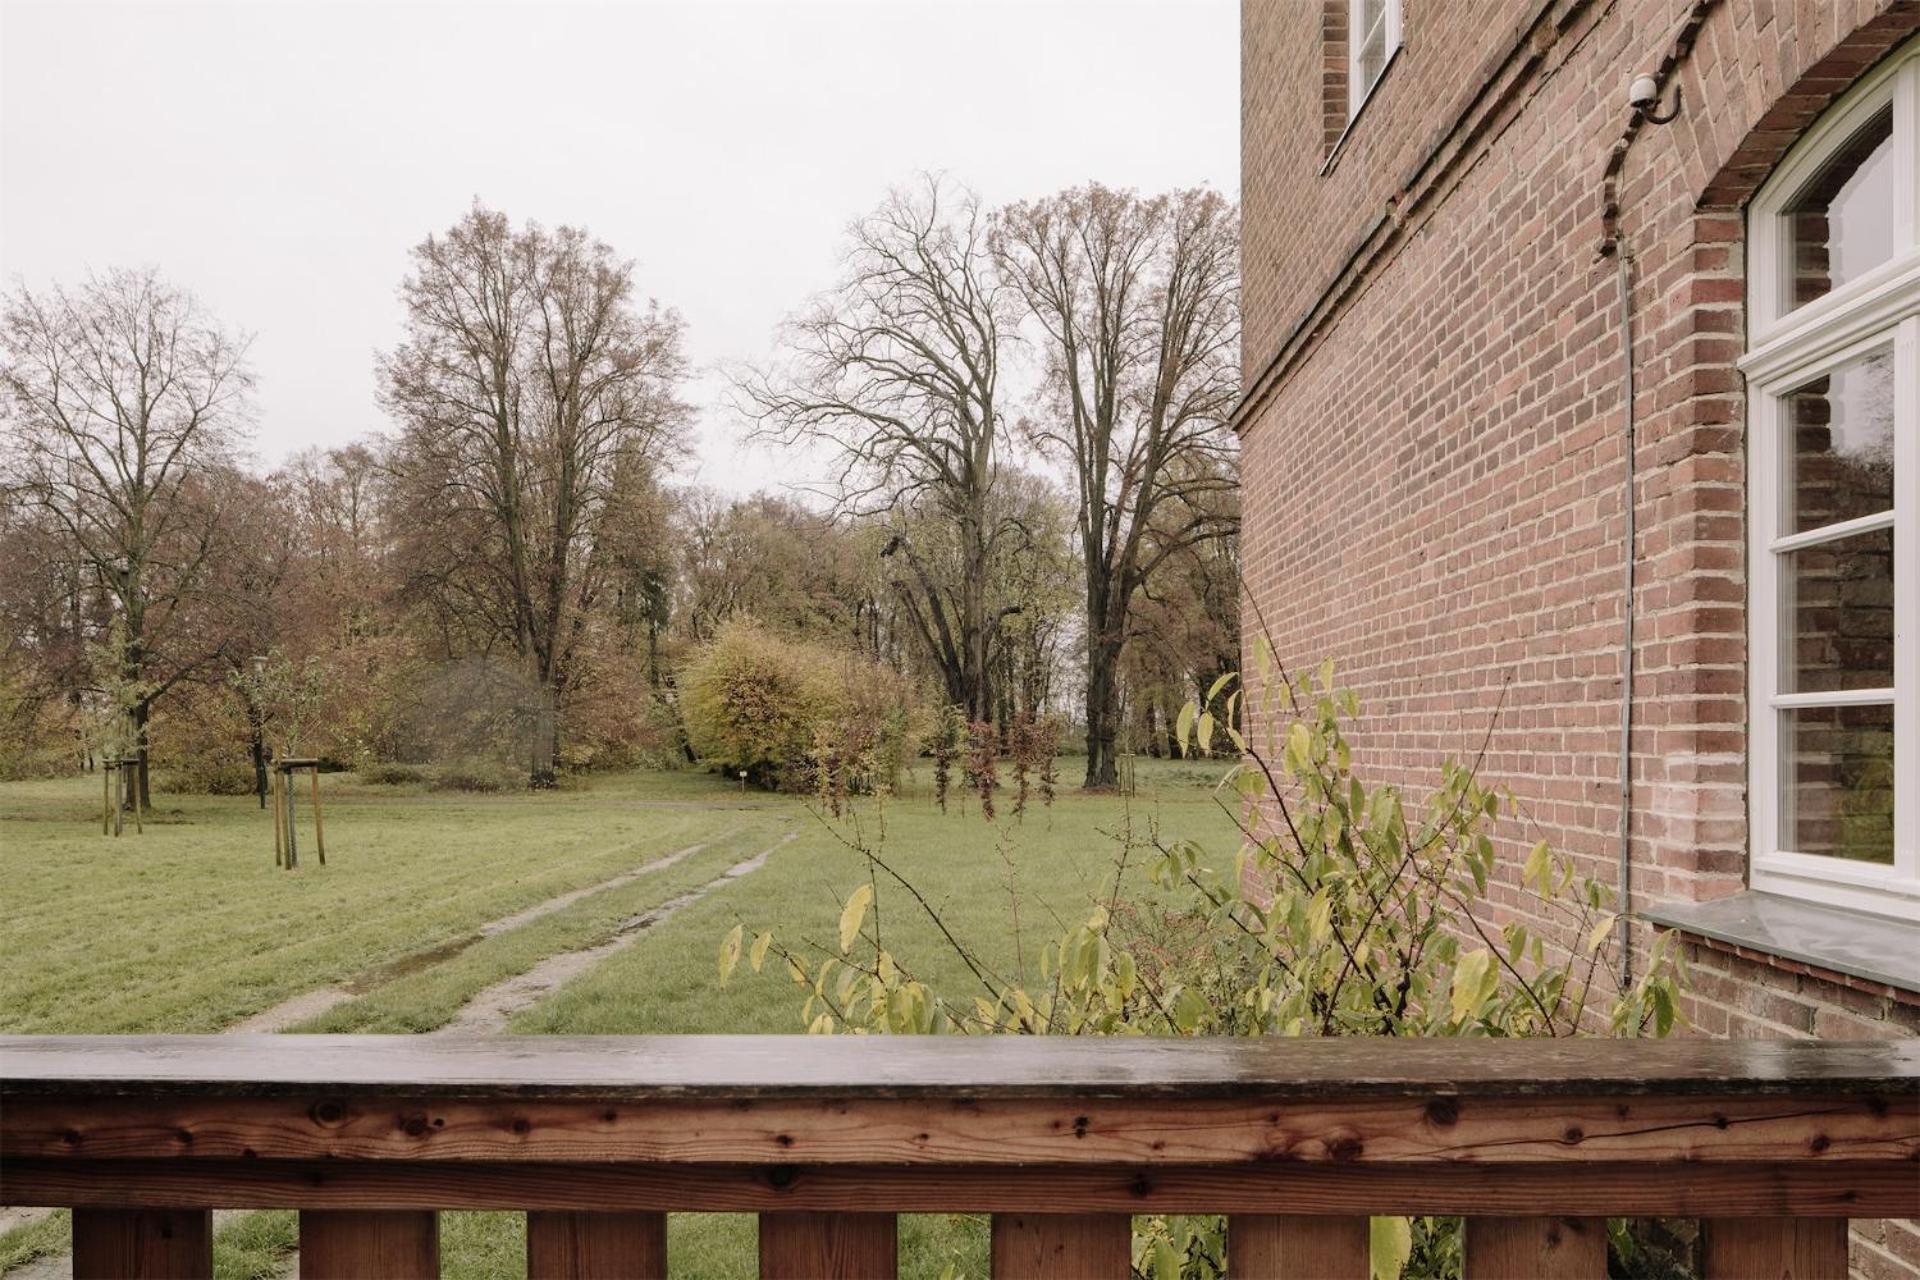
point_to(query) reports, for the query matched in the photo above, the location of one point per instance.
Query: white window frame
(1358, 93)
(1787, 348)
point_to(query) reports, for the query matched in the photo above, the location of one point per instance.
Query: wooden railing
(1775, 1145)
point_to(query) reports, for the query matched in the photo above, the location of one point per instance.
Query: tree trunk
(141, 714)
(1103, 715)
(546, 740)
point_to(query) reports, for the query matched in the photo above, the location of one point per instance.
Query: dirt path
(490, 1009)
(297, 1009)
(565, 900)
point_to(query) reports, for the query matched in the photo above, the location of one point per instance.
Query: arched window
(1833, 380)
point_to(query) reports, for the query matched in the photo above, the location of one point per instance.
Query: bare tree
(1137, 299)
(126, 402)
(529, 382)
(898, 371)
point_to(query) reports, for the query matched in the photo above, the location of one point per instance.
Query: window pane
(1840, 226)
(1839, 614)
(1842, 444)
(1373, 58)
(1838, 799)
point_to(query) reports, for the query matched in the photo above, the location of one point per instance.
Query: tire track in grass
(488, 1012)
(311, 1004)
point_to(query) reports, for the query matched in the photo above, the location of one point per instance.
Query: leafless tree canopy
(532, 393)
(1137, 298)
(125, 403)
(899, 370)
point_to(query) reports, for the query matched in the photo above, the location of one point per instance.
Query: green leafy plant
(1347, 910)
(791, 714)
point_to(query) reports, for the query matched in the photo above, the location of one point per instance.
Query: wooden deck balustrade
(1774, 1145)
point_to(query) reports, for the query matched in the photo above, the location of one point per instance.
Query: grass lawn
(190, 928)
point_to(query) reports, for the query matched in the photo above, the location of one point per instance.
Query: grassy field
(190, 928)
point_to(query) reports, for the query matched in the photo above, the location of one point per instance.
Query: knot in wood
(1345, 1148)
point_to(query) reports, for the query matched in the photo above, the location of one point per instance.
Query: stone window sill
(1869, 950)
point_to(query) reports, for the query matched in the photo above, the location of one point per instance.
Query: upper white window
(1373, 33)
(1833, 380)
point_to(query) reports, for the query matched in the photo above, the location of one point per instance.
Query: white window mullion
(1906, 597)
(1906, 133)
(1834, 532)
(1766, 783)
(1838, 697)
(1356, 43)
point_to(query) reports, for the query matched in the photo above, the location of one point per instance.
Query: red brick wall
(1433, 433)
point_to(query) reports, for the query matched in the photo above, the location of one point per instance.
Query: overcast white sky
(280, 157)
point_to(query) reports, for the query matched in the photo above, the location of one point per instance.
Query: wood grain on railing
(596, 1245)
(141, 1242)
(403, 1244)
(800, 1246)
(827, 1139)
(1273, 1244)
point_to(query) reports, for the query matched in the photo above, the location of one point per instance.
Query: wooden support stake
(1536, 1249)
(1303, 1247)
(293, 840)
(106, 799)
(1063, 1246)
(120, 1244)
(828, 1246)
(392, 1244)
(567, 1245)
(319, 833)
(1775, 1248)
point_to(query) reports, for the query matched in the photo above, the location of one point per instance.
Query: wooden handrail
(1298, 1141)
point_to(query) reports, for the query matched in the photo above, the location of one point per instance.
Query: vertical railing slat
(362, 1244)
(828, 1246)
(1765, 1248)
(122, 1244)
(566, 1245)
(1062, 1246)
(1536, 1249)
(1297, 1247)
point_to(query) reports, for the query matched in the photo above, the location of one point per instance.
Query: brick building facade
(1451, 215)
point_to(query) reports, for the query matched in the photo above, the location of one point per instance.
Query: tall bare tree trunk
(546, 738)
(1103, 712)
(1137, 297)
